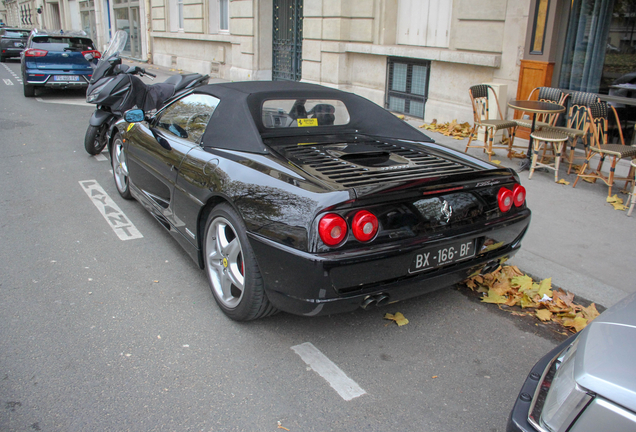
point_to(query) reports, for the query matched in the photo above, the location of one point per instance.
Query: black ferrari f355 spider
(310, 200)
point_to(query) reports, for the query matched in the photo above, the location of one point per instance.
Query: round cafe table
(534, 107)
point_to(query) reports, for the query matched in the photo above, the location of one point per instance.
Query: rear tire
(29, 90)
(2, 59)
(95, 140)
(232, 270)
(119, 162)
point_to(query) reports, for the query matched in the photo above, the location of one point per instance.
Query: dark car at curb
(310, 200)
(586, 384)
(12, 42)
(56, 59)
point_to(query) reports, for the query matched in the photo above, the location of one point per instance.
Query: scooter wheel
(95, 139)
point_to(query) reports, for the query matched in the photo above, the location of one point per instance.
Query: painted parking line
(17, 77)
(116, 218)
(63, 101)
(100, 158)
(7, 81)
(337, 379)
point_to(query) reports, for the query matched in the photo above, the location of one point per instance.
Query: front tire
(232, 270)
(95, 139)
(119, 162)
(29, 90)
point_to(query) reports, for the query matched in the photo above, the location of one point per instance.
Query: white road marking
(117, 220)
(100, 157)
(17, 78)
(341, 383)
(7, 81)
(63, 101)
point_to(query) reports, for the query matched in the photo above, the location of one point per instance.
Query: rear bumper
(47, 79)
(319, 284)
(11, 52)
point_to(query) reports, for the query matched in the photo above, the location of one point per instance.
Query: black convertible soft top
(237, 121)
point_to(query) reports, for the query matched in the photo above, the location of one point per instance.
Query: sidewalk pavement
(575, 237)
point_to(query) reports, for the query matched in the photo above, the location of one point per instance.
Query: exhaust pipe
(367, 302)
(490, 267)
(377, 300)
(381, 300)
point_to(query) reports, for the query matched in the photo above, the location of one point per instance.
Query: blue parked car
(55, 59)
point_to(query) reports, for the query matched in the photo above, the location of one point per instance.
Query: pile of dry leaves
(508, 286)
(453, 129)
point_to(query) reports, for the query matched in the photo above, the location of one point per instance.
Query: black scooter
(115, 88)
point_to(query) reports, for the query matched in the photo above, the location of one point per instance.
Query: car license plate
(65, 78)
(434, 257)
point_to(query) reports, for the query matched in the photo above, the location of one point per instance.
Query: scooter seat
(181, 81)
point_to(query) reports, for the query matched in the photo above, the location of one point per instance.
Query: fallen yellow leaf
(496, 162)
(493, 297)
(563, 182)
(544, 315)
(399, 319)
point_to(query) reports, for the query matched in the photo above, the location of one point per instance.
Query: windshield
(103, 66)
(116, 45)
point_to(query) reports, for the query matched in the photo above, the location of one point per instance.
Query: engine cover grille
(371, 162)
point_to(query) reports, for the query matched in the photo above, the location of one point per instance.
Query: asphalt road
(103, 334)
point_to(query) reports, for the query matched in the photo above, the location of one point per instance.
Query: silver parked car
(586, 384)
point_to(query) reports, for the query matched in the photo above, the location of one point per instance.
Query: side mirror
(134, 116)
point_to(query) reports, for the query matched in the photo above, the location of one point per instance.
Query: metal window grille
(407, 86)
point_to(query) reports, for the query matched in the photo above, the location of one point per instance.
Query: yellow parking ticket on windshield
(307, 122)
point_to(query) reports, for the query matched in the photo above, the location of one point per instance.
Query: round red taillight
(332, 229)
(505, 199)
(364, 226)
(519, 195)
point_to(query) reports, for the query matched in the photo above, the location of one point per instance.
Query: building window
(180, 13)
(176, 15)
(407, 86)
(219, 20)
(424, 22)
(224, 15)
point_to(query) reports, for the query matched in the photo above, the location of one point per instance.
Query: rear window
(294, 113)
(16, 34)
(62, 43)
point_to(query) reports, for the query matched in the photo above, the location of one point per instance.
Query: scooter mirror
(134, 116)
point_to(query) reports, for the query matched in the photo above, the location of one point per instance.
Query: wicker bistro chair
(479, 99)
(599, 119)
(633, 193)
(542, 139)
(577, 123)
(545, 94)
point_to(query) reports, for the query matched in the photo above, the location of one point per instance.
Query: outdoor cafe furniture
(534, 107)
(633, 193)
(543, 94)
(479, 100)
(540, 140)
(599, 119)
(577, 125)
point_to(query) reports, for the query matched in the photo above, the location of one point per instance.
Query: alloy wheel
(225, 262)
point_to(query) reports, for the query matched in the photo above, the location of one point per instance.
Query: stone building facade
(425, 53)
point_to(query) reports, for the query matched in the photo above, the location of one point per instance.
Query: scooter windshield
(115, 47)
